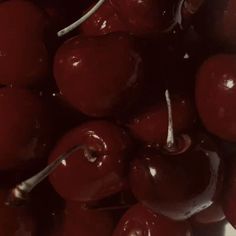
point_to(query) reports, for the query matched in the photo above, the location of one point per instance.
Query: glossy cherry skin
(24, 126)
(24, 56)
(105, 20)
(139, 220)
(215, 95)
(178, 186)
(81, 221)
(145, 16)
(81, 179)
(98, 75)
(151, 125)
(15, 221)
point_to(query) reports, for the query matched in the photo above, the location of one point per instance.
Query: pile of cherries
(122, 123)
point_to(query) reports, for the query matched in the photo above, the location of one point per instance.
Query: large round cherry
(216, 95)
(180, 185)
(139, 220)
(24, 127)
(98, 75)
(83, 178)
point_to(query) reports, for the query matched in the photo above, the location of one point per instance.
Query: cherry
(167, 180)
(15, 221)
(215, 95)
(151, 125)
(146, 16)
(81, 221)
(216, 229)
(23, 62)
(139, 220)
(99, 75)
(105, 20)
(96, 176)
(24, 126)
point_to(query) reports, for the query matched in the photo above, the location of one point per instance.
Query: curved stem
(170, 141)
(20, 193)
(81, 20)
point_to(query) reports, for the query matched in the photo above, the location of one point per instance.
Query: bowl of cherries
(118, 118)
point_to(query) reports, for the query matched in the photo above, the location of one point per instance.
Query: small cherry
(81, 221)
(101, 75)
(215, 95)
(25, 129)
(141, 221)
(182, 178)
(87, 164)
(151, 125)
(24, 59)
(105, 20)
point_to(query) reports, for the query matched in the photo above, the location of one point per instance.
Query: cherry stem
(80, 20)
(170, 141)
(20, 192)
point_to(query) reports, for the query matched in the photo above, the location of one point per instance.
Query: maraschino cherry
(87, 164)
(24, 126)
(101, 75)
(139, 220)
(181, 179)
(215, 95)
(81, 221)
(24, 58)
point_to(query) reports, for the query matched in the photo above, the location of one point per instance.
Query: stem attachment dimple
(80, 20)
(19, 194)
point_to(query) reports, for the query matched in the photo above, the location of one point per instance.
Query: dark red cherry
(97, 173)
(24, 56)
(141, 221)
(81, 221)
(105, 20)
(151, 125)
(98, 75)
(24, 127)
(146, 16)
(212, 214)
(178, 185)
(215, 95)
(15, 221)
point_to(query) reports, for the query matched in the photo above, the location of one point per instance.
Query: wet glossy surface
(79, 178)
(140, 221)
(96, 75)
(216, 95)
(181, 185)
